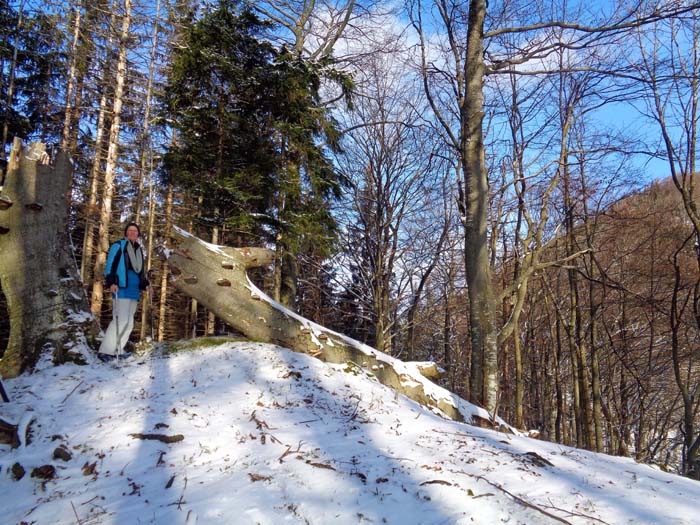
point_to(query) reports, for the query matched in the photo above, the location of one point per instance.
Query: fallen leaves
(89, 469)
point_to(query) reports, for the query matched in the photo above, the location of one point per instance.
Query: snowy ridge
(408, 373)
(269, 436)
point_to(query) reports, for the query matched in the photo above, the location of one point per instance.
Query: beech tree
(47, 308)
(389, 158)
(460, 111)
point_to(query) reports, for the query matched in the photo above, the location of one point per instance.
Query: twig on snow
(71, 392)
(76, 513)
(572, 513)
(521, 500)
(290, 451)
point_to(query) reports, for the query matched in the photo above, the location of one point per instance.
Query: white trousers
(120, 327)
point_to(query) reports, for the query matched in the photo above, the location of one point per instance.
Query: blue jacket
(118, 264)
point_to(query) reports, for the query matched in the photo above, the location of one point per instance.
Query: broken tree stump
(47, 306)
(200, 268)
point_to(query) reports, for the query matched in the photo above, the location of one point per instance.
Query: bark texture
(47, 307)
(216, 277)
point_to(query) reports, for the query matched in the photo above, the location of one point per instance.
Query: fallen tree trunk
(216, 277)
(47, 306)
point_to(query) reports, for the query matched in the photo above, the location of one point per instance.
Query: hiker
(125, 275)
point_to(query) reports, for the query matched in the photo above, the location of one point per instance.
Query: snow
(272, 437)
(408, 372)
(405, 371)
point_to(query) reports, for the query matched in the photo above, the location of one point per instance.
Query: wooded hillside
(505, 188)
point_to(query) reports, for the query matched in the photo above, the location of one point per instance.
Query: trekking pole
(150, 312)
(115, 313)
(3, 393)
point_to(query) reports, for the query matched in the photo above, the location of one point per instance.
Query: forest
(506, 188)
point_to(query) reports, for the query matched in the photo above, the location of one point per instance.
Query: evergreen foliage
(248, 120)
(32, 68)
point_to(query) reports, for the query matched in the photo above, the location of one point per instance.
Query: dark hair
(132, 224)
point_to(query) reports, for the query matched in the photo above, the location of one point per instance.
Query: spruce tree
(217, 101)
(250, 125)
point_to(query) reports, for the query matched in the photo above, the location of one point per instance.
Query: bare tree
(313, 28)
(459, 108)
(389, 160)
(669, 63)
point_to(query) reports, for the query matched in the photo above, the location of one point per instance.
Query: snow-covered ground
(274, 437)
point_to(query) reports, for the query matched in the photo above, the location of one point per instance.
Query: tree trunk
(475, 203)
(111, 165)
(92, 212)
(216, 277)
(11, 81)
(146, 146)
(147, 309)
(165, 269)
(68, 122)
(47, 307)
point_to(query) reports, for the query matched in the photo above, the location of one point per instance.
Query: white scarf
(135, 256)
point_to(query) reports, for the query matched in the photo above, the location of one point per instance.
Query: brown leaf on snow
(89, 469)
(537, 460)
(258, 477)
(436, 482)
(320, 465)
(44, 472)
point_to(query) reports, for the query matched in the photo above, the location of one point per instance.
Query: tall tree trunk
(111, 164)
(68, 121)
(593, 305)
(147, 309)
(92, 213)
(165, 270)
(146, 147)
(475, 204)
(574, 326)
(690, 465)
(47, 307)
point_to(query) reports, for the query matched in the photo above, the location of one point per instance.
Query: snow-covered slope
(272, 437)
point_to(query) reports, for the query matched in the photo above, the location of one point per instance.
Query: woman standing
(125, 275)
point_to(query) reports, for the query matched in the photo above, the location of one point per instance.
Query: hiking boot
(105, 358)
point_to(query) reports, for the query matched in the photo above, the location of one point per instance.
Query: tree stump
(216, 277)
(47, 306)
(9, 434)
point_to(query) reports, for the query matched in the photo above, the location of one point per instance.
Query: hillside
(271, 436)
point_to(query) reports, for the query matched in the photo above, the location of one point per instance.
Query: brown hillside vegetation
(616, 338)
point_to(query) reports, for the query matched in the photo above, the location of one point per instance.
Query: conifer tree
(250, 124)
